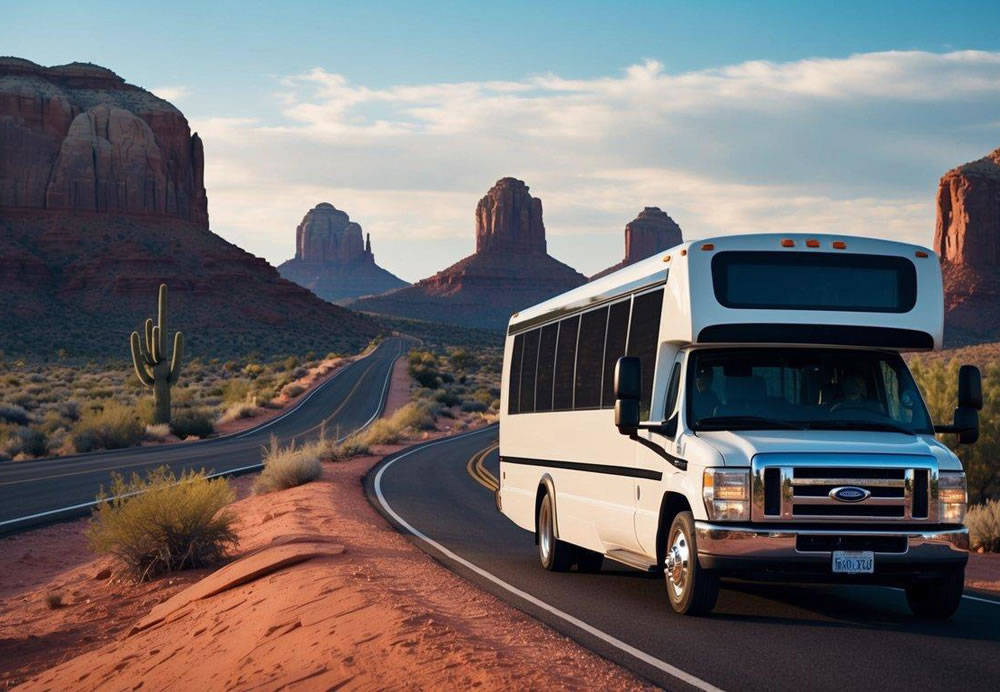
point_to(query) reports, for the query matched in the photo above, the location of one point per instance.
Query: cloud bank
(852, 145)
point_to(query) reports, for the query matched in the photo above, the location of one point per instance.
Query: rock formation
(509, 271)
(650, 232)
(967, 238)
(102, 199)
(332, 260)
(78, 137)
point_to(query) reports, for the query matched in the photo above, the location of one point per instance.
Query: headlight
(727, 494)
(952, 497)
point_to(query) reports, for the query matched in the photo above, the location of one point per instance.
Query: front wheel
(554, 555)
(939, 598)
(692, 590)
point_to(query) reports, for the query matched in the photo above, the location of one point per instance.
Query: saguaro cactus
(150, 359)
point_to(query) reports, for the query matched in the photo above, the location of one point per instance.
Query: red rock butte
(509, 271)
(650, 232)
(77, 137)
(967, 238)
(333, 260)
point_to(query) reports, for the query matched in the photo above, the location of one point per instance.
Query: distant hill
(509, 271)
(102, 198)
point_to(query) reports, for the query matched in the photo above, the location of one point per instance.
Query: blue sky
(731, 116)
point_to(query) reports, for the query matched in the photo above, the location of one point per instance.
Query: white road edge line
(538, 603)
(94, 503)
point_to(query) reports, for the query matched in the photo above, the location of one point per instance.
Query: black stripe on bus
(587, 468)
(841, 335)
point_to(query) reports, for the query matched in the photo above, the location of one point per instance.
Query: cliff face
(78, 137)
(332, 260)
(101, 199)
(967, 238)
(650, 232)
(509, 271)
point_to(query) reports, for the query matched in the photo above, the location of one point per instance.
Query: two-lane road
(47, 489)
(761, 637)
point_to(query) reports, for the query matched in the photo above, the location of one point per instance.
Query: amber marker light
(812, 243)
(666, 258)
(683, 252)
(708, 246)
(921, 253)
(787, 242)
(839, 245)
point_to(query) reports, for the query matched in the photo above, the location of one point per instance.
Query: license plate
(853, 562)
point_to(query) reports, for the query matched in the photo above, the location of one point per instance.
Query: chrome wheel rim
(676, 565)
(545, 531)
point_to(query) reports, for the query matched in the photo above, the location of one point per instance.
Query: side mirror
(970, 388)
(628, 388)
(967, 423)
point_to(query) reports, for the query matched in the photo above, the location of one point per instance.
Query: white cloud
(172, 93)
(852, 145)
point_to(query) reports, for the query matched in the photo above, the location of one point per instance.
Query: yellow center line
(475, 468)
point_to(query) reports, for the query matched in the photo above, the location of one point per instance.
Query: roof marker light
(839, 245)
(812, 243)
(666, 258)
(921, 253)
(683, 252)
(708, 246)
(787, 242)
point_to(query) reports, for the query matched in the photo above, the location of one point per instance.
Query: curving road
(773, 637)
(61, 487)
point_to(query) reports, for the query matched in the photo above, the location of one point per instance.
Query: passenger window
(589, 357)
(643, 338)
(530, 360)
(562, 399)
(672, 389)
(514, 378)
(614, 348)
(546, 367)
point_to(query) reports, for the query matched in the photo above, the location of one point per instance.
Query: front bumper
(752, 550)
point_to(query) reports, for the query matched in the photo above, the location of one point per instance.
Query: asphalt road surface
(61, 487)
(760, 636)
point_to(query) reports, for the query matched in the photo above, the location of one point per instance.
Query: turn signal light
(839, 245)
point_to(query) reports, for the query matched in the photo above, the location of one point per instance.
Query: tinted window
(546, 367)
(590, 359)
(672, 389)
(565, 360)
(614, 348)
(643, 338)
(814, 281)
(528, 363)
(514, 386)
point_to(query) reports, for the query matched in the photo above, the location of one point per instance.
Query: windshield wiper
(744, 423)
(858, 425)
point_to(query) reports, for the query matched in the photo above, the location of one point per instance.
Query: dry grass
(54, 600)
(163, 523)
(158, 432)
(290, 466)
(239, 411)
(112, 426)
(984, 526)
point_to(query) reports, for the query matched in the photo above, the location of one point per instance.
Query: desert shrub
(112, 427)
(158, 432)
(984, 526)
(12, 413)
(292, 390)
(238, 411)
(938, 382)
(30, 442)
(163, 523)
(192, 422)
(448, 397)
(69, 409)
(287, 467)
(53, 600)
(474, 406)
(290, 363)
(236, 390)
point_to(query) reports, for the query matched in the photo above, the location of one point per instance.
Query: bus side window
(546, 367)
(589, 356)
(672, 389)
(514, 387)
(643, 337)
(614, 348)
(528, 371)
(562, 399)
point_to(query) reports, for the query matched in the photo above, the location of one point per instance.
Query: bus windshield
(803, 389)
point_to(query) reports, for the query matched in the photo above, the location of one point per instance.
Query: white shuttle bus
(739, 407)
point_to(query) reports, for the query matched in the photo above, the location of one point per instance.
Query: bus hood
(739, 447)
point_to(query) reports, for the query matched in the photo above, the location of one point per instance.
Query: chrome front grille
(788, 487)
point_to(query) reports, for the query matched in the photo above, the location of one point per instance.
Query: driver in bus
(705, 400)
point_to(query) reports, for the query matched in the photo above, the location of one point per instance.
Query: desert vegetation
(54, 409)
(289, 466)
(163, 523)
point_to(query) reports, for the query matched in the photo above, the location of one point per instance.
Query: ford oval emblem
(849, 493)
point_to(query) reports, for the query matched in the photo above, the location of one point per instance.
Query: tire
(589, 560)
(555, 555)
(939, 598)
(691, 589)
